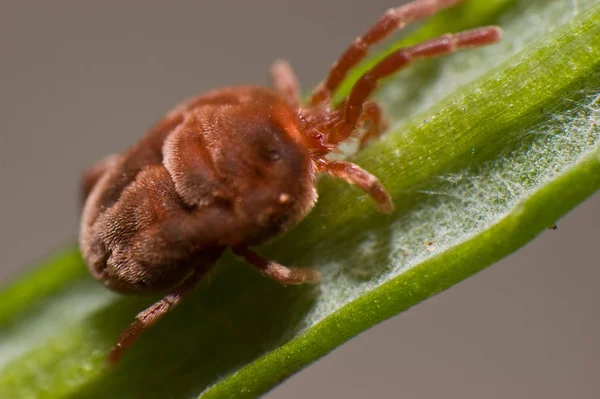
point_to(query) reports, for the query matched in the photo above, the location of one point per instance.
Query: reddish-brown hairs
(235, 167)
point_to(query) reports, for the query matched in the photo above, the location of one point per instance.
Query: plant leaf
(513, 146)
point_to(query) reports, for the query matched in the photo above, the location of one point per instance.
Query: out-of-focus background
(80, 80)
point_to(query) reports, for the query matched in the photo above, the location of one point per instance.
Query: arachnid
(235, 167)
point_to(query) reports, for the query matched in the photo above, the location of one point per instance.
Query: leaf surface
(487, 149)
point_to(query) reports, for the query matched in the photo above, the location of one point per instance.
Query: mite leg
(275, 271)
(285, 82)
(150, 316)
(93, 174)
(402, 58)
(393, 20)
(372, 113)
(359, 177)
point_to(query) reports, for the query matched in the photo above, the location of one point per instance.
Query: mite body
(234, 168)
(198, 183)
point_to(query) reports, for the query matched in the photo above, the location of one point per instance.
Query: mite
(235, 167)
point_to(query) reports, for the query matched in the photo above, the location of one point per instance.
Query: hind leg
(154, 313)
(93, 174)
(276, 272)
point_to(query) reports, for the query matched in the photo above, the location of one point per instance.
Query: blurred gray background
(80, 80)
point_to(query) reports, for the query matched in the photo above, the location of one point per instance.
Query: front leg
(359, 177)
(377, 123)
(285, 82)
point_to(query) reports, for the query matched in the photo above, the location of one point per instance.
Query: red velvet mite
(234, 168)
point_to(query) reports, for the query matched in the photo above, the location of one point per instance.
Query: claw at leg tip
(114, 356)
